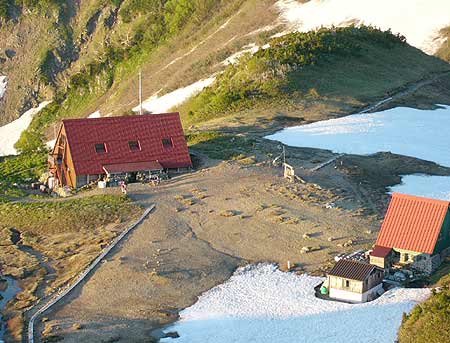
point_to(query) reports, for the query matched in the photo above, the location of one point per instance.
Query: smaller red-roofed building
(93, 148)
(355, 281)
(415, 232)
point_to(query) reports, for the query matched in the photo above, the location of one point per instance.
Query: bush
(429, 322)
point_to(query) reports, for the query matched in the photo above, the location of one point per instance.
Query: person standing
(123, 187)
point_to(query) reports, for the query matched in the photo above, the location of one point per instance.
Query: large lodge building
(89, 149)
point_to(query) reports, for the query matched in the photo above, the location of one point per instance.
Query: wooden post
(288, 265)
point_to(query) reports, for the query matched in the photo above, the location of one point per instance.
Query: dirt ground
(227, 214)
(205, 225)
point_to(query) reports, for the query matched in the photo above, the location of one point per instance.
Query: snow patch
(419, 21)
(3, 84)
(262, 304)
(405, 131)
(429, 186)
(233, 59)
(161, 104)
(10, 133)
(95, 114)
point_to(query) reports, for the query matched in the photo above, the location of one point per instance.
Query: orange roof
(413, 223)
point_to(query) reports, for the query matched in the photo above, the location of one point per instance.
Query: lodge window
(134, 145)
(347, 283)
(62, 140)
(100, 148)
(167, 143)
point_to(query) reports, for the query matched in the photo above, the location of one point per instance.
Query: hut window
(134, 145)
(347, 283)
(100, 148)
(167, 143)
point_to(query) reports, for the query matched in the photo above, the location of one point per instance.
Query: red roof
(379, 251)
(132, 167)
(413, 223)
(116, 132)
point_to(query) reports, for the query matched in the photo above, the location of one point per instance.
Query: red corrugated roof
(413, 223)
(116, 132)
(379, 251)
(132, 167)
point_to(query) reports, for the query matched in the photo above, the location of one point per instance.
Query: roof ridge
(121, 117)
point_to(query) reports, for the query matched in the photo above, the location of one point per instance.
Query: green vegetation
(429, 322)
(17, 170)
(77, 214)
(41, 5)
(356, 62)
(444, 50)
(220, 146)
(151, 23)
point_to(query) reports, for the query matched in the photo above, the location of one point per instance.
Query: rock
(173, 334)
(305, 250)
(77, 326)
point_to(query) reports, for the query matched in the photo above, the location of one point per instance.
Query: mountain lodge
(415, 233)
(89, 149)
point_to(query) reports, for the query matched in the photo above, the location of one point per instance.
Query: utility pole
(140, 92)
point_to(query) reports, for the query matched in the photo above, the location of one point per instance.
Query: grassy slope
(105, 74)
(429, 322)
(333, 81)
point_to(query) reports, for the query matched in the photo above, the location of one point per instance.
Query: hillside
(340, 68)
(85, 56)
(76, 52)
(429, 321)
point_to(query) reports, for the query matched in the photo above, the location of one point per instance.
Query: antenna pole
(140, 92)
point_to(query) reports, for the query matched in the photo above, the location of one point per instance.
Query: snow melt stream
(10, 133)
(262, 304)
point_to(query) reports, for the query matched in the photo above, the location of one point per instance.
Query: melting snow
(406, 131)
(10, 133)
(419, 21)
(262, 304)
(436, 187)
(161, 104)
(3, 84)
(233, 59)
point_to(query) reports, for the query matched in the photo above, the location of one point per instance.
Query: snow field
(405, 131)
(419, 21)
(262, 304)
(10, 133)
(429, 186)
